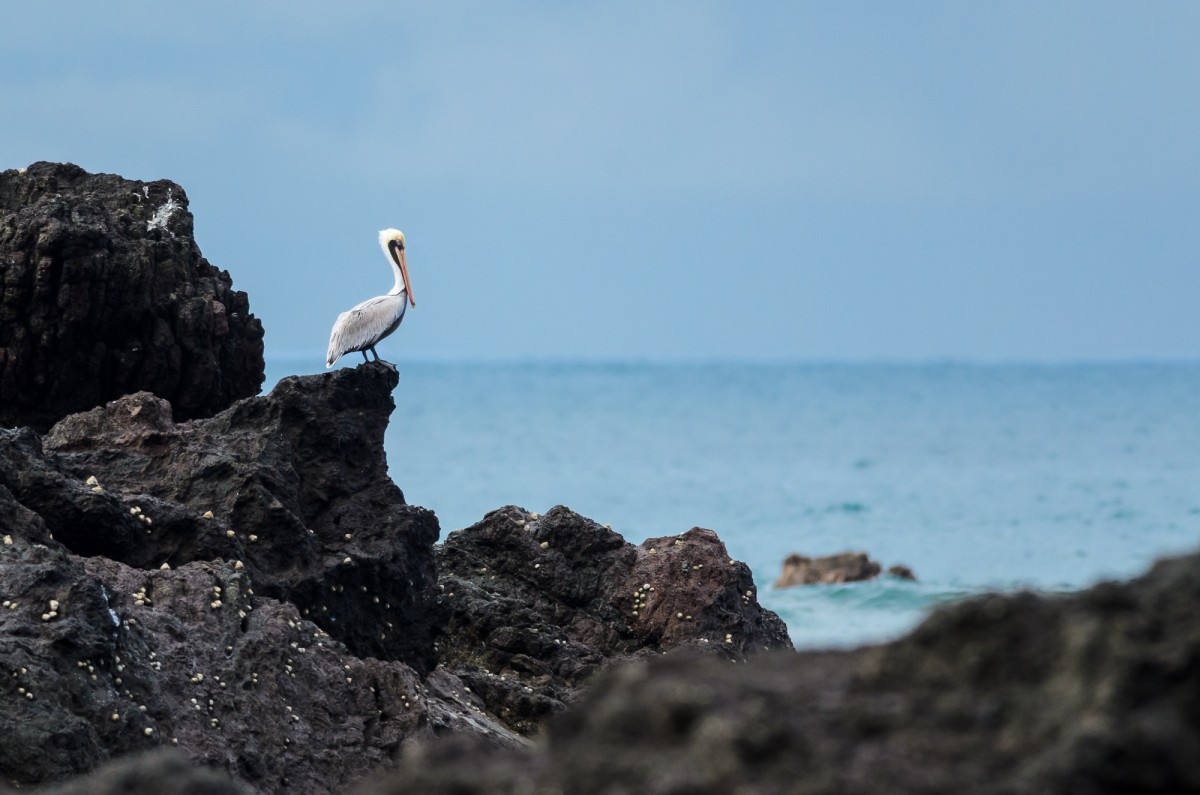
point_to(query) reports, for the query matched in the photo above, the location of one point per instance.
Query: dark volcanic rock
(102, 659)
(843, 567)
(251, 587)
(294, 485)
(103, 292)
(1093, 693)
(541, 603)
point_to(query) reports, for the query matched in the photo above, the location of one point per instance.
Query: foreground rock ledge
(104, 292)
(1093, 693)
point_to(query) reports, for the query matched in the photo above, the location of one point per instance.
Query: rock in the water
(1093, 693)
(843, 567)
(539, 604)
(103, 292)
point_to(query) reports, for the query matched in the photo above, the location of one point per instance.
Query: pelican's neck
(398, 287)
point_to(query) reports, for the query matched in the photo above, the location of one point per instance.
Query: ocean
(978, 477)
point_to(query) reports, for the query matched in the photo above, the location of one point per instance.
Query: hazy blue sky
(632, 179)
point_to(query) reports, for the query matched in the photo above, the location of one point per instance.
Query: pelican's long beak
(404, 273)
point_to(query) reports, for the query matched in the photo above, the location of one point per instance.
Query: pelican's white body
(362, 327)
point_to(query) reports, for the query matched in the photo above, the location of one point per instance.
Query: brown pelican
(361, 328)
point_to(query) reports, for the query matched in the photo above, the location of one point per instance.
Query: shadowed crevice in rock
(104, 292)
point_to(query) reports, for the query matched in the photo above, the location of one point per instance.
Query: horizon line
(694, 360)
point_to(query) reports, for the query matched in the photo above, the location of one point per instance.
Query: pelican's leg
(372, 350)
(365, 359)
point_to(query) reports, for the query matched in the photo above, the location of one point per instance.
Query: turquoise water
(978, 477)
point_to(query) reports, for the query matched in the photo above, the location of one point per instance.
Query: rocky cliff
(104, 292)
(253, 590)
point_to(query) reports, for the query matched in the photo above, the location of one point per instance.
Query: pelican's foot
(389, 366)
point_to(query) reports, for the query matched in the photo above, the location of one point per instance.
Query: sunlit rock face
(104, 292)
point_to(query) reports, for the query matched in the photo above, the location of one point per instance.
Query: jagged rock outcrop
(104, 292)
(1093, 693)
(294, 485)
(260, 562)
(541, 603)
(842, 567)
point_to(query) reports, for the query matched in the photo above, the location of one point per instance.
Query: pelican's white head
(392, 243)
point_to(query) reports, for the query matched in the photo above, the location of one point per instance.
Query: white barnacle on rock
(8, 541)
(253, 537)
(165, 567)
(91, 481)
